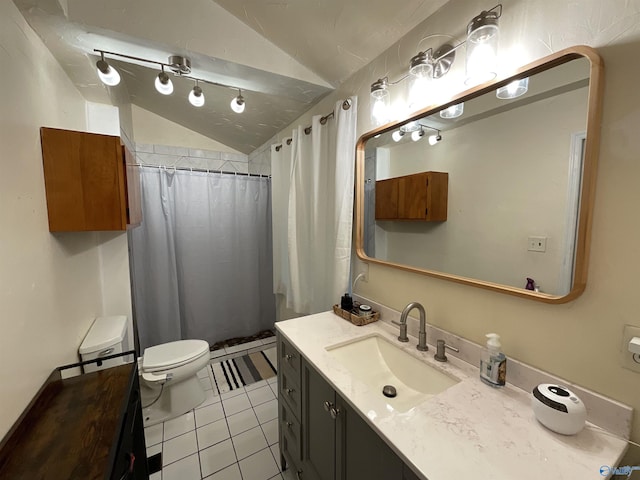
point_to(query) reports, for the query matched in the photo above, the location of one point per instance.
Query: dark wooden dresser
(84, 427)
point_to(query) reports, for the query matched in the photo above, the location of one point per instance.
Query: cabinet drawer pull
(289, 424)
(289, 391)
(106, 352)
(327, 406)
(334, 412)
(299, 474)
(288, 357)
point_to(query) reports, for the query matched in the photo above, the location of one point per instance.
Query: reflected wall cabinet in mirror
(515, 183)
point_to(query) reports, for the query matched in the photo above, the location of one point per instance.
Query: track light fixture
(164, 85)
(178, 65)
(107, 73)
(481, 62)
(237, 104)
(417, 131)
(196, 97)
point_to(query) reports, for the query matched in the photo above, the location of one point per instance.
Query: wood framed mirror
(499, 197)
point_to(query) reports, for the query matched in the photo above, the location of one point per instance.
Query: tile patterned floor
(230, 436)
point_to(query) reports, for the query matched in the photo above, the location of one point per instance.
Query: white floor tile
(232, 393)
(236, 404)
(156, 476)
(217, 457)
(209, 414)
(211, 397)
(212, 433)
(259, 466)
(151, 451)
(270, 430)
(272, 355)
(185, 469)
(179, 426)
(274, 388)
(272, 380)
(153, 435)
(277, 477)
(267, 411)
(260, 395)
(179, 448)
(253, 344)
(229, 473)
(267, 341)
(249, 442)
(243, 421)
(236, 348)
(218, 353)
(255, 386)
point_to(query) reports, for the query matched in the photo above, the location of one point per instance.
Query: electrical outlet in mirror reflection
(626, 357)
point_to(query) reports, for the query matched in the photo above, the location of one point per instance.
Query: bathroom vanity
(84, 427)
(335, 422)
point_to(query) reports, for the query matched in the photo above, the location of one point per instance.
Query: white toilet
(169, 383)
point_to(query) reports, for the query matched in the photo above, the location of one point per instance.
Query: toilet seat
(173, 354)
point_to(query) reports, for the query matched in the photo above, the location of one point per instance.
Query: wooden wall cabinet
(86, 184)
(421, 196)
(321, 436)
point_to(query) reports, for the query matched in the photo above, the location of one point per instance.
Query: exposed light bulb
(433, 139)
(417, 135)
(237, 104)
(107, 74)
(164, 84)
(397, 135)
(196, 97)
(380, 108)
(482, 47)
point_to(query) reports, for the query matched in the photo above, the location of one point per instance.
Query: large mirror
(498, 195)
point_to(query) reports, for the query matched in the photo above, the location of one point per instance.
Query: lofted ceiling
(284, 55)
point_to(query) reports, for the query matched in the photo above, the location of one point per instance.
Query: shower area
(201, 260)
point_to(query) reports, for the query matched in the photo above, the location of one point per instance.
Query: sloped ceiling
(285, 56)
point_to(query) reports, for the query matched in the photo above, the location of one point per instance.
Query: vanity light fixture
(419, 134)
(482, 46)
(196, 97)
(178, 65)
(397, 135)
(454, 111)
(237, 104)
(515, 89)
(108, 74)
(481, 63)
(380, 102)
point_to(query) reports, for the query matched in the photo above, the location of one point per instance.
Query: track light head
(196, 97)
(237, 104)
(163, 83)
(433, 139)
(417, 135)
(108, 75)
(397, 135)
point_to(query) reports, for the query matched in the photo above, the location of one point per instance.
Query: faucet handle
(440, 351)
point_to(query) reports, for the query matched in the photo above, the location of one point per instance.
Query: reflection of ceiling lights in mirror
(481, 66)
(515, 89)
(433, 139)
(417, 135)
(454, 111)
(180, 66)
(397, 135)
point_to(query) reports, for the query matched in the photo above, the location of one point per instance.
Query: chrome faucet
(422, 335)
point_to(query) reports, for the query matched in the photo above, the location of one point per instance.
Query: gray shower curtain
(202, 258)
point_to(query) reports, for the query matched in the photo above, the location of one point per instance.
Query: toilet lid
(173, 354)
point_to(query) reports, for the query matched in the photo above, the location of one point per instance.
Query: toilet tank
(107, 336)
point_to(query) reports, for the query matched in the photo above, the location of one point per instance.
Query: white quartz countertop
(470, 430)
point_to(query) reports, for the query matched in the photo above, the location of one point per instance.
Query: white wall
(503, 188)
(580, 340)
(152, 129)
(50, 288)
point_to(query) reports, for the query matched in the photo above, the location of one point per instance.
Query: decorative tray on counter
(353, 316)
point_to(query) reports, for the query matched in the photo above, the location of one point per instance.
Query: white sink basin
(377, 362)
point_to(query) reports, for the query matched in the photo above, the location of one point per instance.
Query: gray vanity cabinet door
(362, 454)
(318, 426)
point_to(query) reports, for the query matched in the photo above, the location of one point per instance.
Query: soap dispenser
(493, 363)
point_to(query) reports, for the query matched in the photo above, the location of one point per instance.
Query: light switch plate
(537, 244)
(626, 357)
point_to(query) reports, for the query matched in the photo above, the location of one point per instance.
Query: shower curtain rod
(346, 105)
(203, 170)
